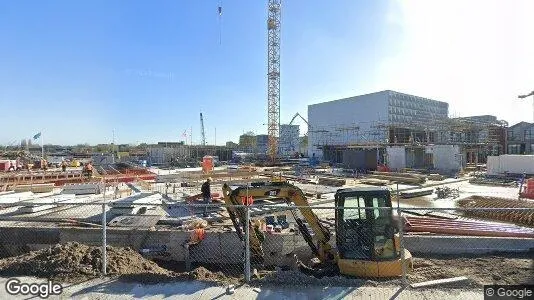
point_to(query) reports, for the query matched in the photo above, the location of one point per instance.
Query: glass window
(377, 211)
(353, 213)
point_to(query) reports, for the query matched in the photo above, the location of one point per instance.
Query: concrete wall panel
(447, 158)
(396, 157)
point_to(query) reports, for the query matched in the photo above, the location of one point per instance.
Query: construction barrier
(417, 246)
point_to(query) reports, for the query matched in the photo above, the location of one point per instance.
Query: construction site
(377, 189)
(159, 216)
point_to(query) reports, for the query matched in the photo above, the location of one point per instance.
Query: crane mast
(202, 132)
(273, 75)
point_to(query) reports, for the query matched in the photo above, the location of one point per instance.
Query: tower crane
(274, 14)
(202, 132)
(273, 75)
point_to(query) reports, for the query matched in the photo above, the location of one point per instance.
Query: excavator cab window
(364, 226)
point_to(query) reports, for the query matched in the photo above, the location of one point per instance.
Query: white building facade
(360, 119)
(289, 142)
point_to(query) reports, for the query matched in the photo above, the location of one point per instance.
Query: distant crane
(298, 115)
(202, 132)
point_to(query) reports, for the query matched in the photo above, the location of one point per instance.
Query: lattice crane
(273, 75)
(202, 132)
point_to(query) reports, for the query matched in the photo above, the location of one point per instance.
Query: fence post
(401, 239)
(104, 241)
(247, 241)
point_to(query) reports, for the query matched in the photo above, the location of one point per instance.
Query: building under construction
(401, 131)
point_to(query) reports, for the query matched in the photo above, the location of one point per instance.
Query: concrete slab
(41, 204)
(82, 189)
(15, 197)
(138, 199)
(134, 221)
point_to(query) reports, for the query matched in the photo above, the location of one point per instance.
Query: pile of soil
(480, 270)
(74, 262)
(203, 274)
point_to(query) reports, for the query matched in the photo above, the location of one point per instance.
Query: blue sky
(77, 70)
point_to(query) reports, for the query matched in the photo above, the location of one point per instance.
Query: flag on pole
(220, 11)
(37, 136)
(184, 135)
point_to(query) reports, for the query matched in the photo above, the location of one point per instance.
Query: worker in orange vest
(88, 170)
(197, 235)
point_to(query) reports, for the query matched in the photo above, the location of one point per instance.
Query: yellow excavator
(366, 238)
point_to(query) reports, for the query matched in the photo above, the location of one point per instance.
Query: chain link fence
(154, 237)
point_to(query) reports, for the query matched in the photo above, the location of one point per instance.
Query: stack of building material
(371, 181)
(82, 189)
(525, 217)
(34, 188)
(416, 193)
(435, 177)
(399, 177)
(462, 227)
(331, 181)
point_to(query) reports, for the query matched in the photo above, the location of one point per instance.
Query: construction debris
(494, 181)
(447, 192)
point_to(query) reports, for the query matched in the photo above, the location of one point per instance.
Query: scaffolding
(478, 136)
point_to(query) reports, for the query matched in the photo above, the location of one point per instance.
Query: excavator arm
(293, 196)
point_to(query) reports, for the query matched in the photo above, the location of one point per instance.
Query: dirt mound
(204, 274)
(74, 262)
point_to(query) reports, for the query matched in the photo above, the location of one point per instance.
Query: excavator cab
(366, 234)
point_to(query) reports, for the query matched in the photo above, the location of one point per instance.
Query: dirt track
(480, 270)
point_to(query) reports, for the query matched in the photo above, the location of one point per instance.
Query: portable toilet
(528, 190)
(207, 164)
